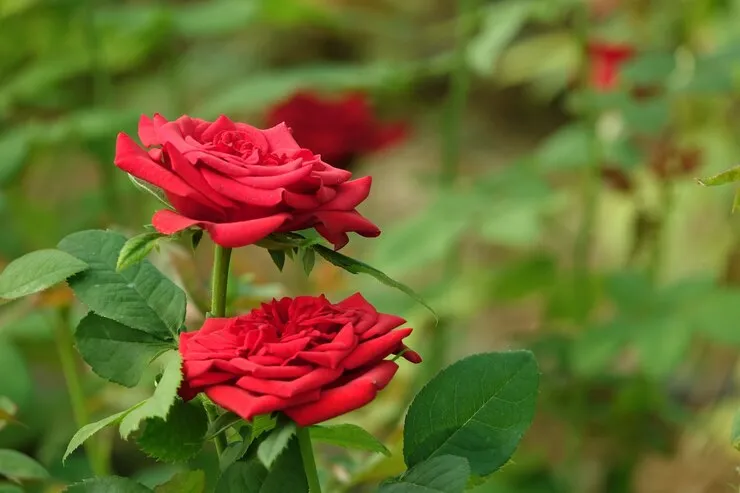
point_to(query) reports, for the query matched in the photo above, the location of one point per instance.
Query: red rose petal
(248, 405)
(354, 394)
(376, 349)
(289, 389)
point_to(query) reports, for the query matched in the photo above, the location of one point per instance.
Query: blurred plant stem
(309, 463)
(451, 132)
(219, 281)
(101, 86)
(96, 455)
(590, 184)
(657, 246)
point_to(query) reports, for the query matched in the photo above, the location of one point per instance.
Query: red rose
(606, 60)
(337, 129)
(309, 358)
(241, 183)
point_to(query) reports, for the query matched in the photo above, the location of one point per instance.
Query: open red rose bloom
(339, 129)
(241, 183)
(309, 358)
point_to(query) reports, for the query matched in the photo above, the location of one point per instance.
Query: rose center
(238, 143)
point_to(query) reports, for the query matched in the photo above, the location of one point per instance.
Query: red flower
(309, 358)
(339, 129)
(241, 183)
(606, 60)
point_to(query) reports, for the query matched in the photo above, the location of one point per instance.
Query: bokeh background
(534, 166)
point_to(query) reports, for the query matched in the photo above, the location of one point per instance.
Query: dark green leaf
(110, 484)
(159, 404)
(222, 423)
(262, 424)
(18, 466)
(348, 436)
(184, 482)
(195, 238)
(275, 443)
(136, 249)
(308, 259)
(37, 271)
(10, 488)
(116, 352)
(90, 429)
(278, 258)
(568, 148)
(177, 438)
(729, 176)
(140, 297)
(481, 419)
(246, 477)
(286, 474)
(442, 474)
(356, 267)
(234, 451)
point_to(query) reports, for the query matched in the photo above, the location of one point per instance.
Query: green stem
(657, 247)
(65, 348)
(219, 282)
(309, 463)
(221, 261)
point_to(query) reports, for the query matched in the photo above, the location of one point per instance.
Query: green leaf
(262, 424)
(221, 424)
(18, 466)
(177, 438)
(114, 351)
(481, 419)
(568, 148)
(286, 474)
(151, 190)
(37, 271)
(278, 258)
(501, 23)
(10, 488)
(442, 474)
(649, 68)
(729, 176)
(159, 404)
(308, 259)
(140, 297)
(356, 267)
(649, 116)
(246, 477)
(275, 443)
(90, 429)
(109, 484)
(348, 436)
(14, 147)
(136, 249)
(184, 482)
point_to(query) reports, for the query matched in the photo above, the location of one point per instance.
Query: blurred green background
(544, 196)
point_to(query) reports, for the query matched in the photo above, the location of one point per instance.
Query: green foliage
(242, 476)
(109, 484)
(165, 395)
(274, 445)
(729, 176)
(37, 271)
(348, 436)
(278, 258)
(501, 23)
(286, 473)
(92, 428)
(177, 438)
(140, 297)
(116, 352)
(17, 466)
(184, 482)
(136, 249)
(442, 474)
(357, 267)
(482, 419)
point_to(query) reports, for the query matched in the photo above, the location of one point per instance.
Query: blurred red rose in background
(309, 358)
(606, 60)
(339, 129)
